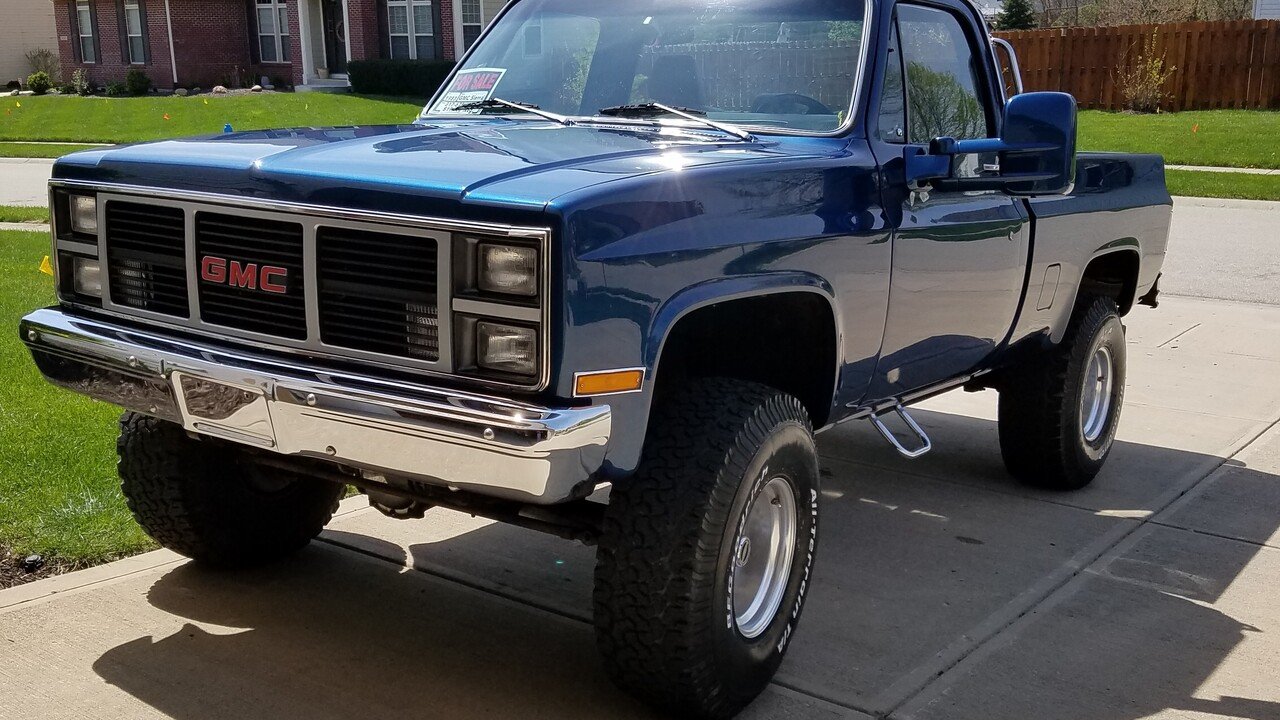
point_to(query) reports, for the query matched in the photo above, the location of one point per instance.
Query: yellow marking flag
(46, 267)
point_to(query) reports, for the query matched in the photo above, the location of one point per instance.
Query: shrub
(42, 60)
(1141, 82)
(39, 82)
(136, 82)
(419, 78)
(13, 85)
(80, 84)
(117, 89)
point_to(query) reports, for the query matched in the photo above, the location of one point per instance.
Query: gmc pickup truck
(608, 285)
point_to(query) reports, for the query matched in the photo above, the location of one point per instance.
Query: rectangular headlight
(507, 348)
(507, 269)
(84, 214)
(86, 277)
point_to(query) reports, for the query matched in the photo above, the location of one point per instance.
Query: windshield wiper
(652, 109)
(499, 103)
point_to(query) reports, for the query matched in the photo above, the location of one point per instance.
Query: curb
(25, 227)
(50, 587)
(1222, 169)
(1263, 205)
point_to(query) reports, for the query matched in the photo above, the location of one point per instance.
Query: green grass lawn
(1194, 183)
(59, 495)
(39, 150)
(23, 213)
(1231, 138)
(119, 120)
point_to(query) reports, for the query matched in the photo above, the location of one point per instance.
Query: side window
(893, 103)
(892, 114)
(942, 76)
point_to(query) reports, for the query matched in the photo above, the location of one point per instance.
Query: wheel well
(1114, 275)
(784, 340)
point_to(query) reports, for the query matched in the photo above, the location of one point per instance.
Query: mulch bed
(13, 573)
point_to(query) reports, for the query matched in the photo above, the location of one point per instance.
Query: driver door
(959, 257)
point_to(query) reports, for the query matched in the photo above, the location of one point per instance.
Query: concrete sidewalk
(942, 589)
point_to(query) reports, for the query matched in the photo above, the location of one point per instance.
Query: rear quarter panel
(1119, 203)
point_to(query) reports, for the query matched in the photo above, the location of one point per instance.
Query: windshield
(784, 64)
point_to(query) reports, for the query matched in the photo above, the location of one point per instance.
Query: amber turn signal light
(609, 381)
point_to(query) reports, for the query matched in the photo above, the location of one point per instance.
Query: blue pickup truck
(608, 285)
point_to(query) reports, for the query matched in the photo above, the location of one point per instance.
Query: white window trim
(459, 27)
(128, 38)
(277, 34)
(81, 33)
(413, 33)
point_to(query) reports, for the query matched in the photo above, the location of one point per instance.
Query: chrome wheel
(1095, 396)
(762, 554)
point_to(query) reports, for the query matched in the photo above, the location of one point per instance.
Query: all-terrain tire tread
(169, 485)
(1036, 421)
(653, 561)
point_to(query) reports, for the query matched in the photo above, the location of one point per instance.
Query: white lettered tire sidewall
(788, 453)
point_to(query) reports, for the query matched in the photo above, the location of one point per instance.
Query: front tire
(208, 500)
(705, 553)
(1059, 413)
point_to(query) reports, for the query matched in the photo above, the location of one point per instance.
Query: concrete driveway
(942, 588)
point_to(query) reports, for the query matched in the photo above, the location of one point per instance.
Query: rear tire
(1059, 412)
(209, 501)
(690, 616)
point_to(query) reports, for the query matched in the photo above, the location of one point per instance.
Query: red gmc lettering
(245, 276)
(268, 278)
(213, 269)
(273, 279)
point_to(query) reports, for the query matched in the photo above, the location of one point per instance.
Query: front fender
(631, 412)
(732, 288)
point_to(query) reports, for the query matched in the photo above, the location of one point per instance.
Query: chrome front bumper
(454, 439)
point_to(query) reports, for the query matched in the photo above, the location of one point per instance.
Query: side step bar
(924, 445)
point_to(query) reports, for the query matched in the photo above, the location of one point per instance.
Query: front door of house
(335, 36)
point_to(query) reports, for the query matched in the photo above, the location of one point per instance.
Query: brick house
(306, 43)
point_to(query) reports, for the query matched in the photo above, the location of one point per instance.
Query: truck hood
(523, 165)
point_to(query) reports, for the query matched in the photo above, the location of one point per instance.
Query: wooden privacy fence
(1231, 64)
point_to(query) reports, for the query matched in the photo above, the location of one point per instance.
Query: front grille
(238, 296)
(324, 283)
(146, 257)
(378, 292)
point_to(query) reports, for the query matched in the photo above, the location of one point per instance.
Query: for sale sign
(469, 86)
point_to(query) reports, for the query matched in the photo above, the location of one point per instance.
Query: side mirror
(1036, 149)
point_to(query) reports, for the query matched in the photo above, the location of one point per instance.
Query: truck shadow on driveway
(919, 564)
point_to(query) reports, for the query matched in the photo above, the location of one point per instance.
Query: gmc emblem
(221, 271)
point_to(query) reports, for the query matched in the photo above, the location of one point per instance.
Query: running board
(924, 447)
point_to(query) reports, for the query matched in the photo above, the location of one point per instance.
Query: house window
(472, 22)
(273, 31)
(412, 29)
(136, 47)
(84, 32)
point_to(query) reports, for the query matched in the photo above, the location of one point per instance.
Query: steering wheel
(788, 104)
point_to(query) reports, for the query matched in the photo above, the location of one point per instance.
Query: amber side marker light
(608, 382)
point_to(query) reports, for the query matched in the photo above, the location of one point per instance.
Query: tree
(1016, 15)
